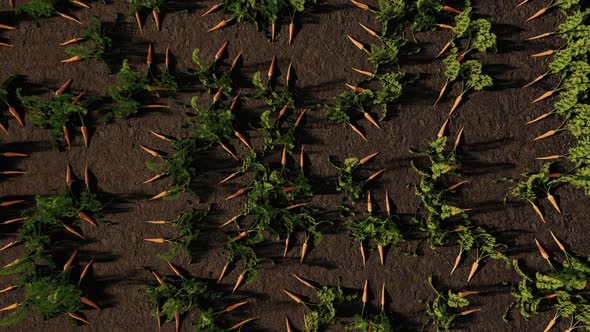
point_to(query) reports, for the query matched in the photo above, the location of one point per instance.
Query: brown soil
(498, 145)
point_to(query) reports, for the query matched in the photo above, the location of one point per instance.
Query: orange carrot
(537, 14)
(78, 317)
(242, 323)
(80, 3)
(63, 87)
(68, 174)
(7, 289)
(544, 96)
(445, 26)
(300, 117)
(456, 104)
(303, 281)
(291, 32)
(284, 110)
(67, 137)
(228, 150)
(387, 205)
(363, 72)
(86, 218)
(157, 222)
(451, 10)
(365, 296)
(383, 295)
(360, 5)
(447, 45)
(174, 269)
(543, 35)
(75, 232)
(17, 116)
(221, 50)
(85, 271)
(288, 325)
(537, 79)
(238, 193)
(3, 127)
(70, 260)
(539, 118)
(376, 174)
(238, 282)
(303, 251)
(154, 178)
(219, 25)
(89, 302)
(13, 154)
(236, 61)
(284, 156)
(273, 31)
(441, 93)
(150, 55)
(295, 206)
(240, 236)
(223, 271)
(458, 139)
(14, 220)
(550, 325)
(68, 17)
(7, 27)
(138, 19)
(212, 9)
(87, 175)
(443, 128)
(354, 87)
(473, 270)
(6, 44)
(457, 261)
(10, 307)
(286, 247)
(302, 157)
(544, 53)
(362, 250)
(369, 30)
(292, 296)
(369, 202)
(458, 184)
(271, 68)
(538, 211)
(368, 158)
(235, 306)
(356, 43)
(9, 245)
(84, 130)
(158, 278)
(12, 172)
(234, 102)
(559, 244)
(218, 95)
(521, 3)
(14, 262)
(156, 15)
(553, 202)
(545, 135)
(369, 117)
(159, 240)
(243, 140)
(160, 195)
(13, 202)
(358, 131)
(229, 177)
(71, 41)
(542, 250)
(381, 254)
(467, 312)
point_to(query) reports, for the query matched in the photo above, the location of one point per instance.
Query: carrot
(236, 61)
(354, 87)
(451, 10)
(240, 236)
(138, 19)
(358, 131)
(381, 254)
(362, 250)
(222, 49)
(273, 30)
(470, 311)
(68, 17)
(538, 211)
(87, 175)
(212, 9)
(242, 323)
(12, 172)
(550, 325)
(71, 41)
(365, 296)
(387, 205)
(160, 195)
(174, 269)
(238, 282)
(459, 136)
(80, 3)
(223, 271)
(369, 202)
(167, 61)
(14, 262)
(286, 247)
(376, 174)
(289, 189)
(303, 281)
(17, 116)
(158, 319)
(67, 137)
(537, 14)
(84, 130)
(368, 158)
(441, 93)
(303, 251)
(229, 177)
(150, 55)
(291, 32)
(9, 288)
(363, 72)
(3, 127)
(458, 184)
(159, 240)
(537, 79)
(234, 102)
(68, 264)
(75, 232)
(234, 218)
(456, 104)
(553, 175)
(218, 95)
(443, 128)
(72, 59)
(157, 222)
(238, 193)
(271, 68)
(86, 218)
(521, 3)
(68, 174)
(235, 306)
(356, 43)
(369, 30)
(467, 293)
(7, 27)
(156, 15)
(150, 151)
(559, 244)
(11, 2)
(12, 221)
(284, 156)
(6, 44)
(288, 325)
(292, 296)
(360, 5)
(219, 25)
(445, 26)
(542, 250)
(544, 53)
(228, 150)
(13, 202)
(154, 178)
(543, 35)
(539, 118)
(85, 271)
(10, 307)
(295, 206)
(474, 267)
(553, 202)
(457, 261)
(372, 120)
(300, 117)
(9, 245)
(544, 96)
(447, 45)
(78, 317)
(63, 87)
(89, 302)
(158, 278)
(284, 110)
(243, 140)
(545, 135)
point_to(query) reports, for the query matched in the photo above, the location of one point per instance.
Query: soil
(497, 145)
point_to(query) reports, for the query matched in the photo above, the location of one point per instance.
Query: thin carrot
(303, 281)
(229, 151)
(235, 306)
(243, 140)
(236, 61)
(156, 15)
(451, 10)
(212, 9)
(234, 102)
(9, 245)
(545, 135)
(286, 247)
(7, 289)
(372, 120)
(80, 3)
(150, 151)
(240, 236)
(13, 202)
(7, 27)
(292, 296)
(238, 282)
(284, 156)
(457, 185)
(459, 136)
(158, 278)
(365, 296)
(457, 261)
(223, 271)
(159, 240)
(456, 104)
(303, 251)
(559, 244)
(72, 59)
(369, 202)
(238, 193)
(68, 174)
(242, 323)
(445, 26)
(10, 307)
(550, 325)
(470, 311)
(544, 53)
(369, 30)
(138, 19)
(363, 72)
(85, 271)
(271, 68)
(14, 262)
(474, 267)
(6, 44)
(3, 127)
(157, 222)
(376, 174)
(221, 50)
(362, 250)
(538, 211)
(356, 43)
(68, 17)
(443, 128)
(447, 45)
(174, 269)
(381, 254)
(537, 79)
(387, 204)
(288, 325)
(467, 293)
(78, 317)
(154, 178)
(84, 130)
(229, 177)
(542, 251)
(87, 175)
(368, 158)
(539, 118)
(354, 87)
(553, 202)
(75, 232)
(218, 95)
(160, 195)
(89, 302)
(63, 87)
(17, 116)
(360, 5)
(273, 31)
(70, 261)
(291, 32)
(521, 3)
(219, 25)
(86, 218)
(537, 14)
(544, 96)
(543, 35)
(300, 117)
(12, 172)
(71, 41)
(358, 131)
(14, 220)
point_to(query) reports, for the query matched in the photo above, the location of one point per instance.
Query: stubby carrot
(221, 50)
(160, 195)
(219, 26)
(467, 293)
(553, 202)
(271, 67)
(218, 95)
(284, 156)
(63, 87)
(372, 120)
(474, 267)
(549, 325)
(17, 116)
(72, 59)
(238, 282)
(443, 128)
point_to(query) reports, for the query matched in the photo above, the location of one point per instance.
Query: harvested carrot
(459, 136)
(368, 158)
(291, 32)
(447, 45)
(158, 278)
(229, 151)
(521, 3)
(544, 96)
(6, 44)
(156, 15)
(553, 202)
(542, 250)
(243, 140)
(387, 204)
(441, 93)
(150, 55)
(234, 102)
(14, 220)
(71, 41)
(376, 174)
(538, 211)
(456, 104)
(229, 177)
(543, 35)
(284, 110)
(551, 157)
(362, 250)
(365, 296)
(273, 31)
(89, 302)
(242, 323)
(545, 135)
(68, 17)
(167, 61)
(369, 202)
(443, 128)
(13, 154)
(157, 222)
(470, 311)
(358, 131)
(467, 293)
(271, 68)
(223, 271)
(537, 79)
(559, 244)
(159, 240)
(550, 325)
(75, 232)
(238, 193)
(138, 19)
(457, 185)
(236, 61)
(68, 174)
(457, 261)
(445, 26)
(154, 178)
(17, 116)
(238, 282)
(451, 10)
(302, 157)
(10, 307)
(292, 296)
(356, 43)
(219, 25)
(300, 117)
(72, 59)
(150, 151)
(212, 9)
(303, 251)
(7, 27)
(235, 306)
(537, 14)
(158, 319)
(70, 261)
(14, 262)
(9, 245)
(544, 53)
(86, 218)
(87, 175)
(78, 317)
(3, 127)
(85, 271)
(381, 254)
(303, 281)
(67, 137)
(240, 236)
(284, 156)
(160, 195)
(360, 5)
(363, 72)
(539, 118)
(7, 289)
(288, 325)
(84, 130)
(80, 3)
(286, 247)
(295, 206)
(12, 172)
(13, 202)
(474, 267)
(174, 269)
(369, 30)
(372, 120)
(221, 50)
(218, 95)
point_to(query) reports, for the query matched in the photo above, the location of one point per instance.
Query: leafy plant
(95, 42)
(349, 181)
(187, 225)
(447, 307)
(37, 8)
(131, 92)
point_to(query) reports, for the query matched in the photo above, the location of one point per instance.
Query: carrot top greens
(38, 8)
(188, 227)
(95, 42)
(264, 13)
(446, 308)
